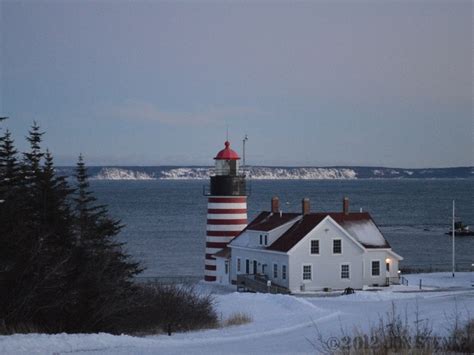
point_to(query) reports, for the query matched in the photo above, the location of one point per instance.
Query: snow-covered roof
(224, 253)
(267, 221)
(359, 225)
(366, 233)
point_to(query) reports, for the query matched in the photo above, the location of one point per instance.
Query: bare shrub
(20, 328)
(461, 339)
(238, 318)
(168, 308)
(394, 334)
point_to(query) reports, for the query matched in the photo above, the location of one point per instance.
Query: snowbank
(282, 324)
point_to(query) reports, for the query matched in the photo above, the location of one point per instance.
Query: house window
(337, 246)
(283, 272)
(261, 239)
(345, 271)
(275, 271)
(247, 266)
(387, 266)
(226, 267)
(238, 264)
(306, 272)
(375, 268)
(266, 239)
(315, 247)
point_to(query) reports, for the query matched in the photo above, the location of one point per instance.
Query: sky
(317, 83)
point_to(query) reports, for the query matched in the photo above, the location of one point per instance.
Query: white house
(310, 251)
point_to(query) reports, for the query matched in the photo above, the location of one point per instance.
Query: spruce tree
(9, 175)
(9, 202)
(55, 265)
(40, 237)
(32, 159)
(106, 273)
(67, 270)
(8, 159)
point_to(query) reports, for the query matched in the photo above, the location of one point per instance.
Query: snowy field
(281, 324)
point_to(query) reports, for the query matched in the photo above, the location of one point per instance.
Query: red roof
(224, 253)
(302, 227)
(267, 221)
(227, 153)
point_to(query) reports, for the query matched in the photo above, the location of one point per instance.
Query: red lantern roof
(227, 153)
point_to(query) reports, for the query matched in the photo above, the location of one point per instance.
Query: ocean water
(166, 220)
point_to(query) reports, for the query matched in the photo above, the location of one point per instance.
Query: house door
(255, 266)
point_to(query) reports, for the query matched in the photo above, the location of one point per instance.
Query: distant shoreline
(272, 173)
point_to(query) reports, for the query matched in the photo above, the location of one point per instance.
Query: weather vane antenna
(246, 138)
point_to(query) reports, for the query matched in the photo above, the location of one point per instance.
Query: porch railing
(258, 283)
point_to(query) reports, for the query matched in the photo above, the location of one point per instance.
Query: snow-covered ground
(281, 324)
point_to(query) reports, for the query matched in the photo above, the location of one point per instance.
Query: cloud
(133, 110)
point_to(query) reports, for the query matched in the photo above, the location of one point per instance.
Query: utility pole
(454, 233)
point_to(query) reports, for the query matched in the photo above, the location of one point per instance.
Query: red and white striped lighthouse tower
(226, 208)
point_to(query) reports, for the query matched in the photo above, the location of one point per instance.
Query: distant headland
(274, 173)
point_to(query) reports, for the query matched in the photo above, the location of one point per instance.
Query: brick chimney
(275, 204)
(345, 205)
(305, 208)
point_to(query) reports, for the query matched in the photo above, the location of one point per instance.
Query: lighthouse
(226, 207)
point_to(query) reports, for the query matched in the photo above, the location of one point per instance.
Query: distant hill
(273, 173)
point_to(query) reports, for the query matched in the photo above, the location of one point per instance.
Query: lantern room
(227, 161)
(227, 179)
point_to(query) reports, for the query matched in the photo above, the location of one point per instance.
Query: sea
(165, 220)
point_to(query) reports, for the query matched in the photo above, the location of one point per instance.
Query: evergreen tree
(9, 168)
(106, 273)
(32, 159)
(15, 239)
(39, 236)
(9, 200)
(61, 267)
(30, 182)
